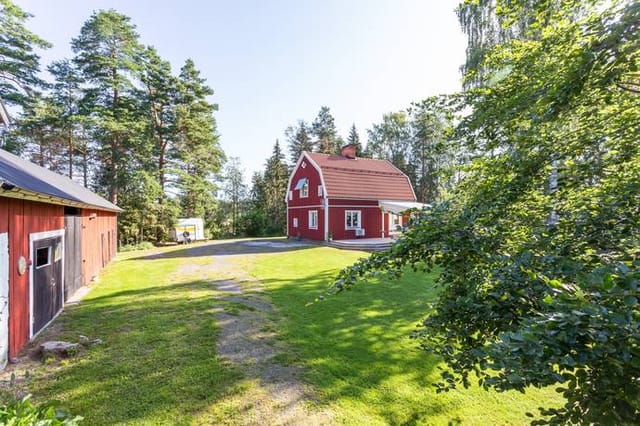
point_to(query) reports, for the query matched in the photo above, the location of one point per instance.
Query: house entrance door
(47, 281)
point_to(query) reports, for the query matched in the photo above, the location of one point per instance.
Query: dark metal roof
(21, 176)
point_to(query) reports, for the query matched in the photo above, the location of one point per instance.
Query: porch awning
(300, 183)
(397, 207)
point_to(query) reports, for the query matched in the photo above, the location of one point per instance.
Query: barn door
(47, 281)
(72, 255)
(4, 299)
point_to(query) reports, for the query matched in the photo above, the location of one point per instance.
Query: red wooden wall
(303, 230)
(371, 218)
(299, 207)
(22, 218)
(99, 242)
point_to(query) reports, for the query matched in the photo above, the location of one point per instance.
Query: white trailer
(188, 230)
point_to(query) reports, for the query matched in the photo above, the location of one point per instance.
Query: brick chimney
(348, 151)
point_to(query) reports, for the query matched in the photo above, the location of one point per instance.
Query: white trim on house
(315, 165)
(4, 299)
(306, 207)
(352, 227)
(310, 223)
(33, 237)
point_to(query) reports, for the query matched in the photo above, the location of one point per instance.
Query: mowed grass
(357, 351)
(157, 363)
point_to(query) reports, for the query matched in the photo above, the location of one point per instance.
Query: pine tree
(299, 140)
(106, 55)
(199, 154)
(354, 139)
(20, 64)
(276, 177)
(324, 129)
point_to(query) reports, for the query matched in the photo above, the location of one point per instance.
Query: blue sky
(274, 62)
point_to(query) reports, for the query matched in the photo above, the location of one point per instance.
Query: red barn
(55, 236)
(343, 197)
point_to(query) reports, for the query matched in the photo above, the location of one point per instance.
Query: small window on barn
(43, 256)
(304, 191)
(313, 219)
(319, 190)
(352, 219)
(290, 195)
(295, 222)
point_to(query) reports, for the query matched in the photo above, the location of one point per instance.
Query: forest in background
(119, 119)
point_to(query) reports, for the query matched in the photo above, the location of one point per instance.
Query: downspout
(326, 218)
(382, 217)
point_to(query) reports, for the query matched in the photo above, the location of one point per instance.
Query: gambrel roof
(361, 178)
(23, 179)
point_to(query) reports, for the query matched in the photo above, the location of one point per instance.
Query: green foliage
(324, 129)
(299, 140)
(539, 243)
(24, 412)
(145, 245)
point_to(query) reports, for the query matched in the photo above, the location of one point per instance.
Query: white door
(4, 299)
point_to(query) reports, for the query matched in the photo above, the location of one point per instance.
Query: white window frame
(351, 213)
(319, 190)
(290, 195)
(304, 191)
(295, 222)
(313, 224)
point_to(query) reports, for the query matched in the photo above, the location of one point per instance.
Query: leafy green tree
(391, 140)
(299, 140)
(324, 129)
(106, 52)
(538, 245)
(433, 152)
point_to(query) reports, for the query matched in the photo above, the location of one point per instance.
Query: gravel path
(247, 340)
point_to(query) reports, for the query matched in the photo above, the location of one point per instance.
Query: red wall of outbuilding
(99, 241)
(21, 218)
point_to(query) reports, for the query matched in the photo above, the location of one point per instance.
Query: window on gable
(290, 195)
(313, 219)
(352, 219)
(319, 190)
(304, 191)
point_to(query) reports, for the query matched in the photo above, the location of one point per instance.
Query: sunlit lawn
(358, 353)
(158, 364)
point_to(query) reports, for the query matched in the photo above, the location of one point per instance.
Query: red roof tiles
(362, 178)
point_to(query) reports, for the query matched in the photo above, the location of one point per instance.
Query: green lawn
(158, 365)
(357, 352)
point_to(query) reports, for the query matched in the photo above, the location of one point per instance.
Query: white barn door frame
(4, 299)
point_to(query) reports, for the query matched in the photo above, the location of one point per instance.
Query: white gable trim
(304, 155)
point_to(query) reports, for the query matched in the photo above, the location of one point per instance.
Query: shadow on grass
(232, 247)
(356, 346)
(157, 362)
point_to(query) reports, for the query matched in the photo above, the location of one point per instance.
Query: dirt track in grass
(248, 341)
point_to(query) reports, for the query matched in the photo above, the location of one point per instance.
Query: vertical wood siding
(22, 219)
(99, 245)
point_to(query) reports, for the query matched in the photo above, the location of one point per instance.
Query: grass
(158, 364)
(357, 351)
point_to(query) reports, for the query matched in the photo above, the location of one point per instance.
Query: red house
(345, 197)
(55, 236)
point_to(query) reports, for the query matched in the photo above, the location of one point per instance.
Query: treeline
(115, 117)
